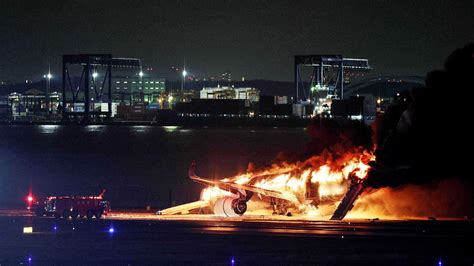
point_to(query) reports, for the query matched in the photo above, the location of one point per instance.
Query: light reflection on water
(48, 129)
(182, 130)
(94, 128)
(171, 128)
(141, 129)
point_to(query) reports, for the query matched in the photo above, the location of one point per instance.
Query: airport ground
(131, 238)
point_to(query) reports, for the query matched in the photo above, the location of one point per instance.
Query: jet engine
(230, 207)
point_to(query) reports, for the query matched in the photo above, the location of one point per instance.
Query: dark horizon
(253, 39)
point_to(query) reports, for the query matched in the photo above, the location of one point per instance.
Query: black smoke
(426, 136)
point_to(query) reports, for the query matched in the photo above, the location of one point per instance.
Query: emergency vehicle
(71, 206)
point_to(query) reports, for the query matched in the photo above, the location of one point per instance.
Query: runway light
(29, 199)
(232, 261)
(111, 230)
(29, 260)
(27, 230)
(55, 228)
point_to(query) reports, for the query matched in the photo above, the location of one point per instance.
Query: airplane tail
(347, 202)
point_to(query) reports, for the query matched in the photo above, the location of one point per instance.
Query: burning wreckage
(302, 187)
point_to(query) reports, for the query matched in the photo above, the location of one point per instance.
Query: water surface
(138, 165)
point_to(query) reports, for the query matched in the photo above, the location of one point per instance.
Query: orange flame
(323, 179)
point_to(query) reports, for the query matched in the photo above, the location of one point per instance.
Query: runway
(132, 238)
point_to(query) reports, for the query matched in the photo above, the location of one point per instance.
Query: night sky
(252, 38)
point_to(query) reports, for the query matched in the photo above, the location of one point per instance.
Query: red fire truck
(72, 206)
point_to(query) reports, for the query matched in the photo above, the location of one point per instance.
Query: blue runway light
(111, 230)
(232, 261)
(55, 228)
(29, 259)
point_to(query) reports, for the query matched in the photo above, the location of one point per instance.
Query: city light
(95, 75)
(170, 98)
(184, 73)
(48, 76)
(140, 74)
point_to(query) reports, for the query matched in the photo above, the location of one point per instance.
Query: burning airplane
(301, 187)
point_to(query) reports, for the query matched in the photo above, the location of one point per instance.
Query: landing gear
(239, 206)
(280, 207)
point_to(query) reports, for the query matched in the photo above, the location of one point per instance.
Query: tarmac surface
(131, 238)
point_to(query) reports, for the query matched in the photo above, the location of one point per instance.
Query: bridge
(360, 87)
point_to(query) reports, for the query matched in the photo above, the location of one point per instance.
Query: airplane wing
(238, 188)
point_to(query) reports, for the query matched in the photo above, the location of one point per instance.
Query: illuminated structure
(31, 105)
(226, 92)
(48, 78)
(92, 96)
(184, 73)
(327, 79)
(142, 88)
(321, 62)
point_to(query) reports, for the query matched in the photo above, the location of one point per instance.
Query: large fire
(320, 180)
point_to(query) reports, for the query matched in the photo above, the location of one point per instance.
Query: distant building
(230, 93)
(32, 103)
(141, 89)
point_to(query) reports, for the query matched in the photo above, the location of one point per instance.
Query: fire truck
(72, 206)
